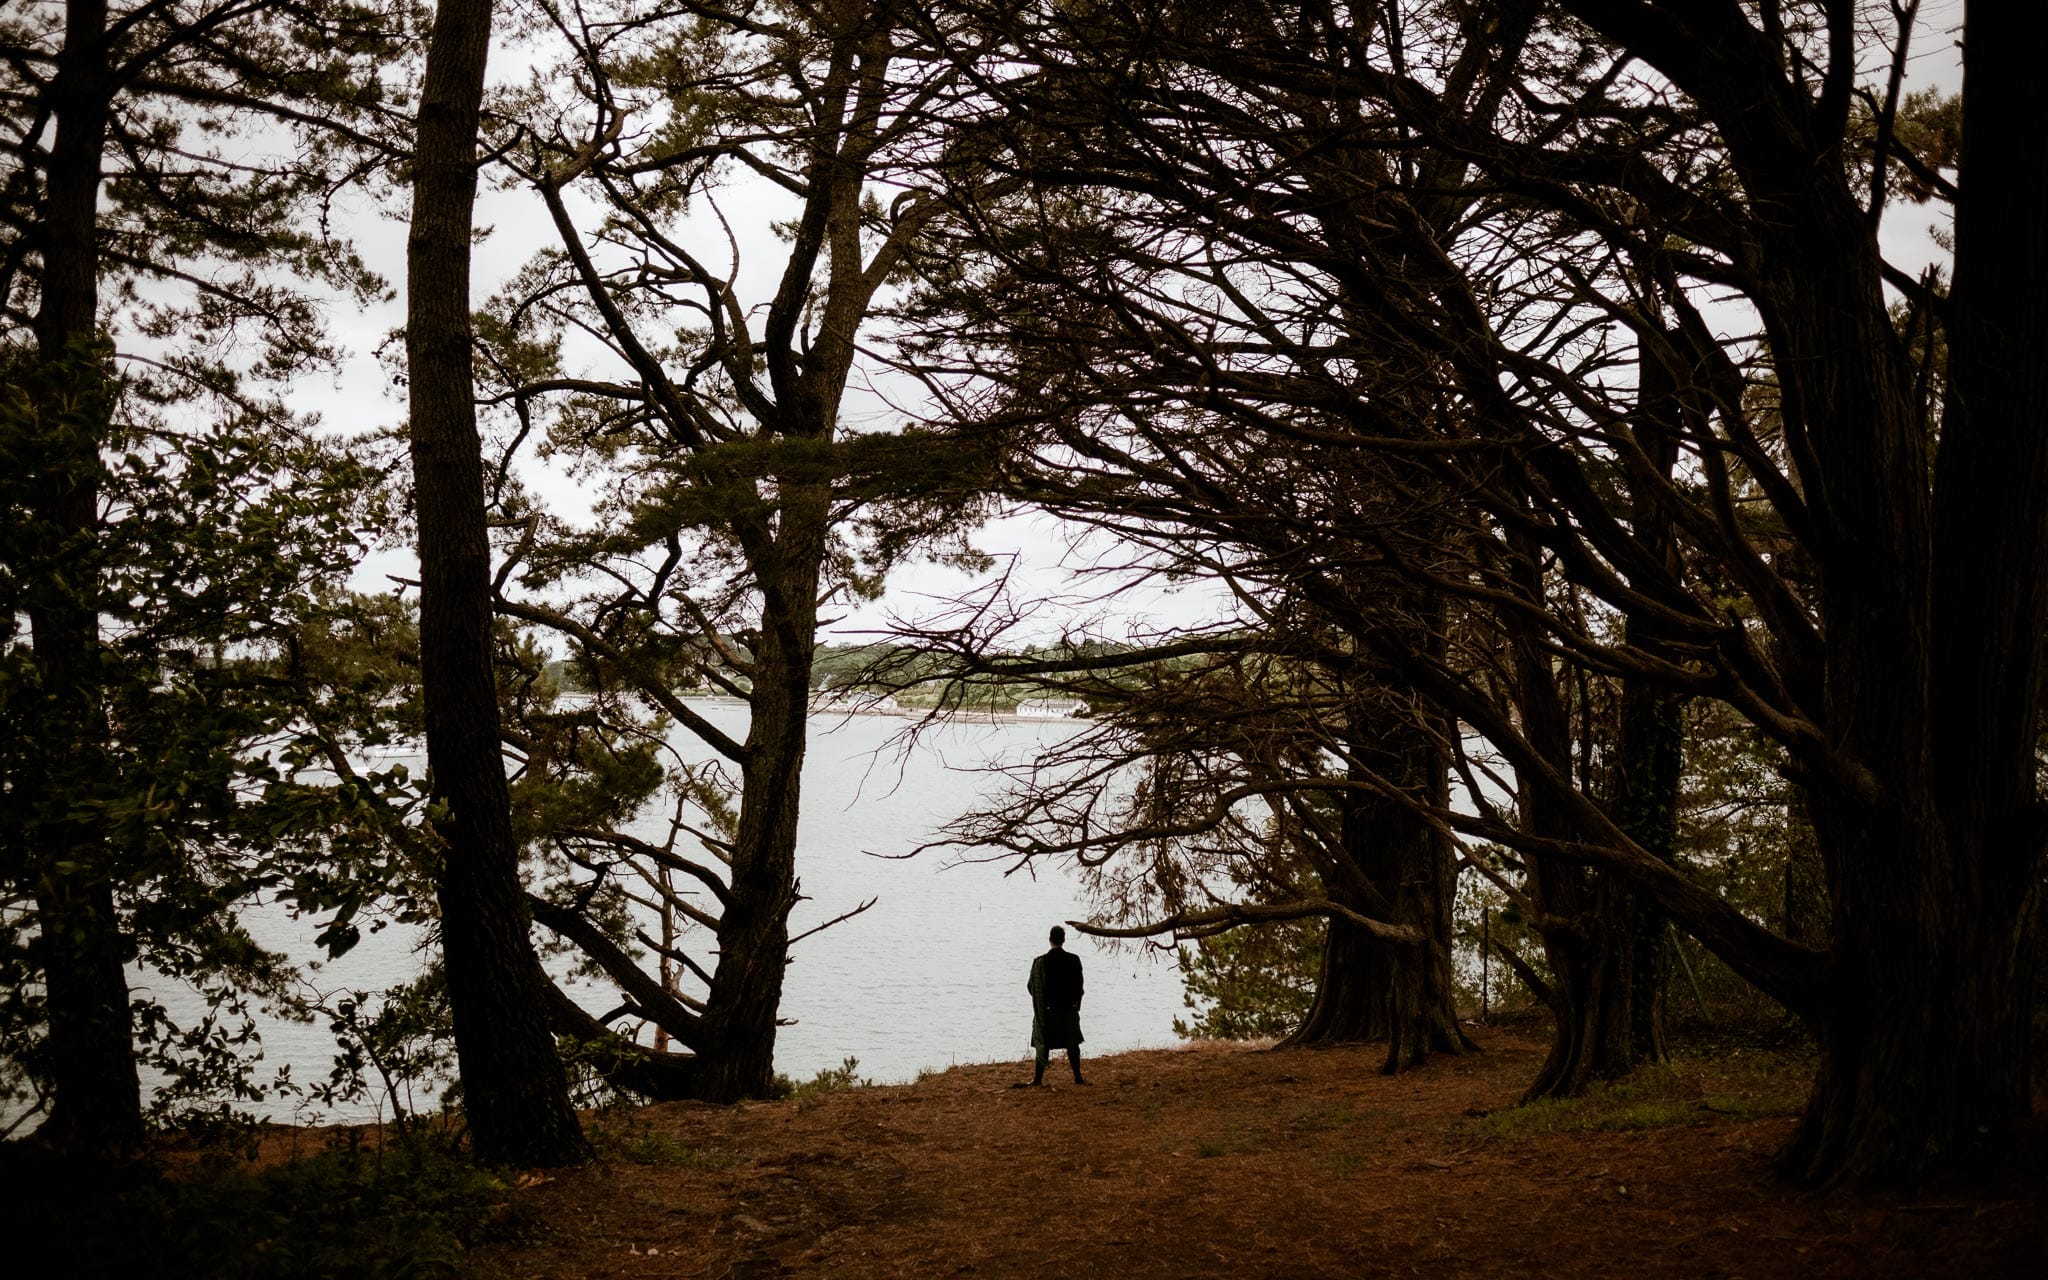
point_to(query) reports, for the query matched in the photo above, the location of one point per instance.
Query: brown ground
(1225, 1161)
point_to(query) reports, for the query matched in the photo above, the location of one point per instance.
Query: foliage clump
(1249, 984)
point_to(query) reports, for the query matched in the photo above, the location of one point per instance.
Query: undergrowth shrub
(844, 1076)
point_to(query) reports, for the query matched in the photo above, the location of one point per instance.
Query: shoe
(1079, 1080)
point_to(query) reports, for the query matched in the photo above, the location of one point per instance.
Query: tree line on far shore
(1604, 533)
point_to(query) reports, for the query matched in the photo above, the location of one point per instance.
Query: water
(933, 974)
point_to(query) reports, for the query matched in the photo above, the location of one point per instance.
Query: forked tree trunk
(1590, 922)
(515, 1092)
(96, 1110)
(794, 372)
(1607, 943)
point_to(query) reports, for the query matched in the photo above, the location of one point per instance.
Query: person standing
(1055, 988)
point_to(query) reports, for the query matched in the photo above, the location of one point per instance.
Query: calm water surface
(932, 975)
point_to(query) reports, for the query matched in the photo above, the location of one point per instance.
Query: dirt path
(1220, 1161)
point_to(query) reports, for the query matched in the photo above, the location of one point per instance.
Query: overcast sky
(1045, 560)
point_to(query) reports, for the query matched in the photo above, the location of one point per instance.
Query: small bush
(844, 1076)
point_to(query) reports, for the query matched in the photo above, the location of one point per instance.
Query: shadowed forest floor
(1213, 1160)
(1226, 1161)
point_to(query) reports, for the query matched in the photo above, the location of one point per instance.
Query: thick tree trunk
(1651, 733)
(1590, 935)
(1422, 1013)
(1925, 1046)
(1935, 611)
(1401, 870)
(1354, 999)
(738, 1051)
(1351, 1002)
(1631, 927)
(97, 1108)
(515, 1092)
(97, 1102)
(1925, 1036)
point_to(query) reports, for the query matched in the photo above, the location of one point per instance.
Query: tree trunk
(1354, 997)
(1589, 935)
(1352, 1002)
(514, 1089)
(1588, 921)
(1401, 870)
(1422, 1012)
(738, 1050)
(1651, 735)
(1935, 611)
(1925, 1048)
(97, 1099)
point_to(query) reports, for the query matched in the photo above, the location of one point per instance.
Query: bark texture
(1933, 652)
(96, 1110)
(738, 1051)
(1400, 870)
(1650, 735)
(514, 1088)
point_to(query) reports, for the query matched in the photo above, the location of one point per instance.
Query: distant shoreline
(853, 707)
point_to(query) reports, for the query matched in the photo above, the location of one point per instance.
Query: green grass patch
(1655, 1098)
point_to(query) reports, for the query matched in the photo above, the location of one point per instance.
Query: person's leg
(1039, 1076)
(1074, 1061)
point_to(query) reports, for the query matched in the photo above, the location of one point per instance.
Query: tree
(117, 196)
(1658, 171)
(1252, 760)
(515, 1091)
(1084, 283)
(738, 496)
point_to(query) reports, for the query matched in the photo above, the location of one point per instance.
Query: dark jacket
(1055, 988)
